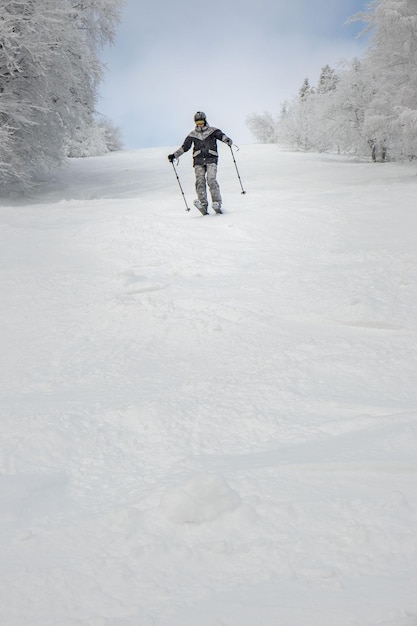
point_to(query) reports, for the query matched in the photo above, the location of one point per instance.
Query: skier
(205, 157)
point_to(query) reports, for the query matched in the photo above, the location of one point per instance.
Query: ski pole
(237, 171)
(182, 191)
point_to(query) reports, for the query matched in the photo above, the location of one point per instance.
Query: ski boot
(201, 207)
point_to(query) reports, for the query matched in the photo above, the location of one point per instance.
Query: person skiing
(205, 158)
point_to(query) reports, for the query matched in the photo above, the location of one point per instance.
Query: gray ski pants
(200, 183)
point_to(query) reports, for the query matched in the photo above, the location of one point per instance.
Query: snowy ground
(210, 421)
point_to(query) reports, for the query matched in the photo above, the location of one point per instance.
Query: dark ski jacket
(205, 144)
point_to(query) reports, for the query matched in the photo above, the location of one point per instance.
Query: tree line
(50, 71)
(368, 107)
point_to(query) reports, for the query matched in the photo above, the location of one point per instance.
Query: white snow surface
(210, 421)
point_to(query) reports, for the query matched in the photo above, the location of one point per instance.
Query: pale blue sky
(229, 58)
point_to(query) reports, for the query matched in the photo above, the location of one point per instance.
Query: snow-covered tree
(350, 100)
(263, 127)
(24, 54)
(100, 137)
(307, 123)
(305, 90)
(391, 116)
(49, 73)
(368, 108)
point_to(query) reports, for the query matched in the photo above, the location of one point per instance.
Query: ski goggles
(200, 122)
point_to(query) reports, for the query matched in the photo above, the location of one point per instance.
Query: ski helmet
(200, 115)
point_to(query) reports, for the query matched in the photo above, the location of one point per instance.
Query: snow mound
(203, 498)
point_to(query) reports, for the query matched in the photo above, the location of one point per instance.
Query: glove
(228, 141)
(171, 157)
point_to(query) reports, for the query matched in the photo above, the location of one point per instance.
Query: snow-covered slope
(210, 421)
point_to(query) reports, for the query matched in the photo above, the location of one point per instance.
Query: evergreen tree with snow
(305, 90)
(327, 81)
